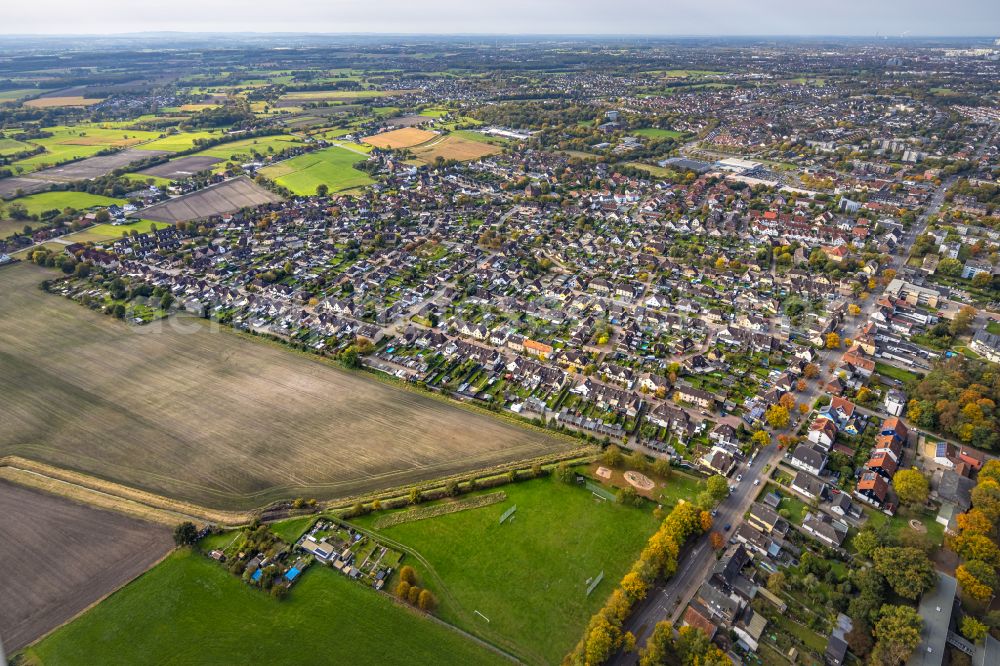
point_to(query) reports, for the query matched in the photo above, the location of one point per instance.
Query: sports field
(201, 414)
(333, 167)
(529, 575)
(59, 557)
(190, 610)
(658, 133)
(400, 138)
(37, 203)
(451, 147)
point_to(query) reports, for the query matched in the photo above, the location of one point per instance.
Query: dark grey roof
(935, 609)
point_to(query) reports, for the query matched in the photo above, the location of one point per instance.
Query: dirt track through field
(60, 557)
(215, 419)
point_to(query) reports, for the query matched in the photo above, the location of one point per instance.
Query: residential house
(809, 457)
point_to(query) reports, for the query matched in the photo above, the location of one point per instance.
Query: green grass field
(245, 147)
(528, 576)
(11, 146)
(14, 95)
(178, 142)
(333, 167)
(105, 232)
(70, 143)
(37, 203)
(189, 609)
(893, 372)
(657, 133)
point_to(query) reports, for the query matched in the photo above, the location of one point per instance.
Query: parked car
(739, 477)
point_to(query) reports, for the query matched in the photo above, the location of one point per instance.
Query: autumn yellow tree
(777, 417)
(978, 579)
(832, 341)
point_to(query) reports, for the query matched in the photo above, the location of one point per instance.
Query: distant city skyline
(623, 17)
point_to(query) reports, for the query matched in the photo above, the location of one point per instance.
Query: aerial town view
(552, 333)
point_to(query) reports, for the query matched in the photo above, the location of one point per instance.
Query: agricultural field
(9, 187)
(400, 138)
(94, 167)
(11, 227)
(333, 167)
(182, 167)
(175, 143)
(38, 203)
(190, 410)
(225, 197)
(306, 96)
(560, 536)
(52, 102)
(11, 146)
(14, 95)
(72, 143)
(192, 609)
(59, 557)
(245, 148)
(451, 147)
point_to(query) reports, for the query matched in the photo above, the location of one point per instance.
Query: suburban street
(667, 601)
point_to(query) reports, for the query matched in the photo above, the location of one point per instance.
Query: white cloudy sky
(648, 17)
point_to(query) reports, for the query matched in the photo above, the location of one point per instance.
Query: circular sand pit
(640, 481)
(917, 526)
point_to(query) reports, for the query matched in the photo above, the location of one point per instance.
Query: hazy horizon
(645, 18)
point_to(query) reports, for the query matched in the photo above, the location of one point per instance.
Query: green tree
(718, 487)
(897, 634)
(908, 571)
(612, 456)
(185, 533)
(564, 473)
(866, 541)
(973, 629)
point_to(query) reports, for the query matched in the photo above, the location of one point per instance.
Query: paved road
(667, 601)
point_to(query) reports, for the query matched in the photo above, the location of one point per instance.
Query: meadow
(529, 575)
(244, 148)
(193, 411)
(11, 146)
(181, 141)
(38, 203)
(188, 609)
(333, 167)
(71, 143)
(99, 233)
